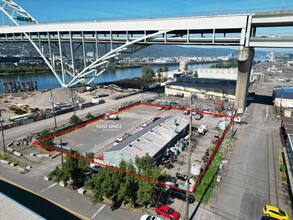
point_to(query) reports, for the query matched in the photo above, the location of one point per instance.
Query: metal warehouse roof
(11, 209)
(155, 140)
(137, 135)
(286, 93)
(207, 83)
(152, 138)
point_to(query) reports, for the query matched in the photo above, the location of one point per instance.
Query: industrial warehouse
(153, 140)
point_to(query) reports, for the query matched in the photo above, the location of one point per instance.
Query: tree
(147, 72)
(48, 142)
(145, 163)
(159, 76)
(57, 174)
(95, 184)
(128, 190)
(165, 69)
(84, 165)
(147, 190)
(69, 170)
(195, 74)
(74, 119)
(89, 116)
(160, 70)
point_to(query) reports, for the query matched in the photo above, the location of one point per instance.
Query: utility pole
(73, 101)
(3, 140)
(189, 163)
(61, 146)
(53, 108)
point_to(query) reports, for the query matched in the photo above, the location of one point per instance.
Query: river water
(48, 80)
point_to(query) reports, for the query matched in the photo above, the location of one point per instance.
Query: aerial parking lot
(101, 135)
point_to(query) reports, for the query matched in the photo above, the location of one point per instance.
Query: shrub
(74, 119)
(282, 168)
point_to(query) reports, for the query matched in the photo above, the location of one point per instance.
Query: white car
(149, 217)
(202, 129)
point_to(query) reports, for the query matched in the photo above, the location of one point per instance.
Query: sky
(75, 10)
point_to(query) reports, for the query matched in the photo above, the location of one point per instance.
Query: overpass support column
(245, 61)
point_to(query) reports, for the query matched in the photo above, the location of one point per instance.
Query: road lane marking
(99, 210)
(48, 187)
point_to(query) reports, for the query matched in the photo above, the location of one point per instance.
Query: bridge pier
(245, 61)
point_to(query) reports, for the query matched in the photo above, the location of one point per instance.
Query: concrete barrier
(17, 153)
(62, 183)
(47, 178)
(43, 155)
(22, 171)
(224, 162)
(81, 191)
(13, 164)
(5, 161)
(10, 149)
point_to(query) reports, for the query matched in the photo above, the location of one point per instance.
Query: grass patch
(3, 157)
(207, 184)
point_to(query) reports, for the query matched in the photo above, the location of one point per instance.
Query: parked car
(198, 116)
(181, 176)
(179, 194)
(167, 212)
(238, 120)
(149, 217)
(216, 138)
(95, 167)
(202, 129)
(275, 212)
(160, 108)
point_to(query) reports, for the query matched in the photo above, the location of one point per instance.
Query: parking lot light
(2, 131)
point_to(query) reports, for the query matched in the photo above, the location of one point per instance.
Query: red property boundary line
(37, 143)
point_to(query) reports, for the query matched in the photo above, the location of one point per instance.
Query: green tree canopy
(49, 142)
(74, 119)
(147, 72)
(165, 69)
(121, 187)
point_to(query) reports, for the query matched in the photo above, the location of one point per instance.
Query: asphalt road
(21, 131)
(66, 198)
(252, 178)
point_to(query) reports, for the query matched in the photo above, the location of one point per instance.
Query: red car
(167, 212)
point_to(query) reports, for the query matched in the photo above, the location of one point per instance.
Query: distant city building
(272, 57)
(214, 73)
(283, 97)
(204, 88)
(183, 66)
(171, 74)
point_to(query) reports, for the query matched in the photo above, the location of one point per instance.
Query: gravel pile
(59, 95)
(112, 90)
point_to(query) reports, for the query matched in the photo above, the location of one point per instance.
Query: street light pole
(53, 108)
(3, 140)
(61, 145)
(189, 163)
(73, 101)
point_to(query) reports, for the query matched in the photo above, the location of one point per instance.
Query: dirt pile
(41, 100)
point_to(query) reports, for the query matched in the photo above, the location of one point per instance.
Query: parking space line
(48, 187)
(99, 210)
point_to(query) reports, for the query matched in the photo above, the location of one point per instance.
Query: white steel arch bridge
(60, 42)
